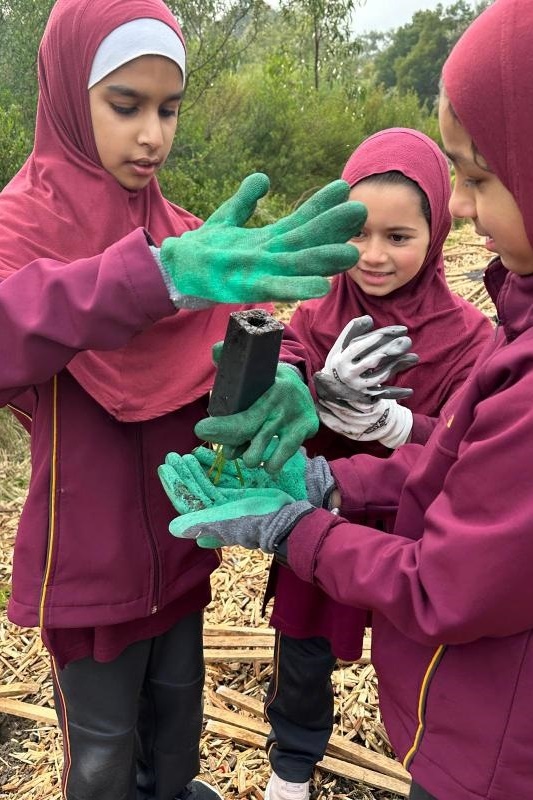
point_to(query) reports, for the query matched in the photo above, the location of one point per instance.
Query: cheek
(413, 259)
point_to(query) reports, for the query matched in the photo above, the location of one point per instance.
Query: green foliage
(253, 102)
(22, 23)
(264, 118)
(15, 140)
(320, 26)
(413, 59)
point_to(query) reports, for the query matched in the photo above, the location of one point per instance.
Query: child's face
(134, 112)
(394, 240)
(480, 196)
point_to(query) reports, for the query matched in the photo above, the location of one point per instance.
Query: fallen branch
(337, 747)
(250, 738)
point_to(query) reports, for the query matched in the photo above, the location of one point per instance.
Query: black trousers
(299, 706)
(131, 727)
(417, 793)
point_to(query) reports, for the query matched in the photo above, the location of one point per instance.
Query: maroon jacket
(452, 586)
(300, 609)
(93, 546)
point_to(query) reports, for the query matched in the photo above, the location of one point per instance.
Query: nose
(462, 203)
(151, 131)
(372, 250)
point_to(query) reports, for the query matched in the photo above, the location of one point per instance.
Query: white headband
(140, 37)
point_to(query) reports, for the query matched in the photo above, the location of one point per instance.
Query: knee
(100, 768)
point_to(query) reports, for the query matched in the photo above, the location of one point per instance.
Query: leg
(417, 793)
(171, 712)
(97, 709)
(299, 706)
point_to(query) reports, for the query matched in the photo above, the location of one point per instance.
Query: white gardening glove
(361, 360)
(352, 398)
(385, 421)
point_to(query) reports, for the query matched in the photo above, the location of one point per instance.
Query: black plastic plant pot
(248, 362)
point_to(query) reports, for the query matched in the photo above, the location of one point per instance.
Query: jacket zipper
(52, 502)
(422, 704)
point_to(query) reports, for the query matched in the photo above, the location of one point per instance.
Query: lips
(374, 274)
(145, 163)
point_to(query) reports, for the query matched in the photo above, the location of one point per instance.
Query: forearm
(49, 311)
(370, 485)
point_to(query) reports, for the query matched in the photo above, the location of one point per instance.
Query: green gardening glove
(228, 512)
(289, 259)
(202, 479)
(258, 520)
(285, 411)
(211, 472)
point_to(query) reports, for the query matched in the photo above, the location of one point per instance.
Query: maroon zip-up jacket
(93, 546)
(452, 586)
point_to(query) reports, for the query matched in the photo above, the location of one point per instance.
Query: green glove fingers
(336, 224)
(183, 489)
(216, 351)
(285, 411)
(238, 209)
(224, 262)
(282, 455)
(290, 478)
(329, 196)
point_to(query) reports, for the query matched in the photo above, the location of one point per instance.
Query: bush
(15, 141)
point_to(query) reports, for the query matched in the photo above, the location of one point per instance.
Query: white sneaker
(278, 789)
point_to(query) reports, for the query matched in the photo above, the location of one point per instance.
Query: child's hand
(286, 260)
(250, 509)
(202, 480)
(361, 360)
(385, 421)
(284, 414)
(258, 520)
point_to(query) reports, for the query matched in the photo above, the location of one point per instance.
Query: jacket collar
(513, 297)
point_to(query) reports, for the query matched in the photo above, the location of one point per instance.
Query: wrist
(334, 501)
(400, 430)
(280, 548)
(180, 300)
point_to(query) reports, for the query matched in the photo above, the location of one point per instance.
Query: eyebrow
(458, 158)
(126, 91)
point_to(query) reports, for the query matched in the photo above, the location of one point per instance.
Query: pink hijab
(63, 205)
(444, 328)
(488, 79)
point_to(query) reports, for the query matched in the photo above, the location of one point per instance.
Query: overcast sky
(380, 15)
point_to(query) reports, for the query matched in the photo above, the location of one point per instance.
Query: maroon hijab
(488, 79)
(443, 327)
(63, 205)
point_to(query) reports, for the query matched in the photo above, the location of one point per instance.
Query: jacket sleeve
(470, 575)
(423, 427)
(370, 485)
(49, 310)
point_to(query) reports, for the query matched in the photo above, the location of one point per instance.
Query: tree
(413, 59)
(325, 22)
(217, 33)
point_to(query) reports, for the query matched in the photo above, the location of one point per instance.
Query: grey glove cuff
(319, 481)
(282, 523)
(186, 301)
